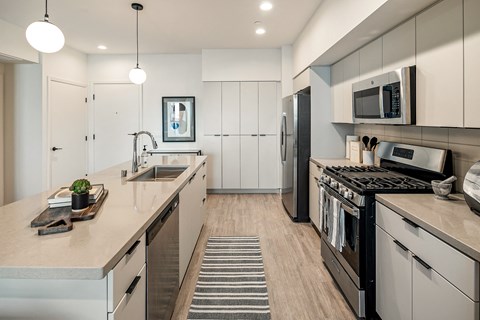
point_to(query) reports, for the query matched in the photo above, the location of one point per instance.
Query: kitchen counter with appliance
(93, 247)
(451, 221)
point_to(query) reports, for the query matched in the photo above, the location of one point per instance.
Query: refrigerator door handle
(283, 146)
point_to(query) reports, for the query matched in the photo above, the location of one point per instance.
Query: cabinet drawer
(453, 265)
(435, 298)
(132, 305)
(122, 275)
(315, 169)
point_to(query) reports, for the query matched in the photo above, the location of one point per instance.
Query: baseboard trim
(242, 191)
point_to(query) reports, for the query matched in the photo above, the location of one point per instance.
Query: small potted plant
(80, 193)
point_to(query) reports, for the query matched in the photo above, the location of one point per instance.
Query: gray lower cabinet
(420, 277)
(393, 278)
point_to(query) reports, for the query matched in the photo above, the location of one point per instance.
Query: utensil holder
(367, 157)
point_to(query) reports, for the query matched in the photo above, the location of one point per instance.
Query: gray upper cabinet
(399, 47)
(472, 62)
(267, 108)
(440, 65)
(212, 106)
(351, 73)
(371, 59)
(249, 108)
(231, 108)
(337, 93)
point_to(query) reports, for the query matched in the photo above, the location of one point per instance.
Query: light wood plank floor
(299, 286)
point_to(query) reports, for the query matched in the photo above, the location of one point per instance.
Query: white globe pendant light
(137, 75)
(44, 36)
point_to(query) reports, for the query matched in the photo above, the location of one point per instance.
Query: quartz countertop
(93, 247)
(449, 220)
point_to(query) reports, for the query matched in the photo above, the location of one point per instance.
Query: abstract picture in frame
(178, 119)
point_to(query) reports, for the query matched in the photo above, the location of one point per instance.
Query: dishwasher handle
(157, 225)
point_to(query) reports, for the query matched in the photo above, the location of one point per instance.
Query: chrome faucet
(135, 161)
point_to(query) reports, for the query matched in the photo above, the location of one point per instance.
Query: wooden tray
(57, 220)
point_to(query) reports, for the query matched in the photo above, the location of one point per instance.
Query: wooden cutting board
(58, 220)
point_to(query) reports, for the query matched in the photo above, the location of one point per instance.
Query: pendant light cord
(137, 38)
(46, 10)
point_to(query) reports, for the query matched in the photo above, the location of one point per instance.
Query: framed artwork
(178, 119)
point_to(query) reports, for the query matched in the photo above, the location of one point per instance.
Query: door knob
(55, 149)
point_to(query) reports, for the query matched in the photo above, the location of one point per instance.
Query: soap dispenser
(144, 157)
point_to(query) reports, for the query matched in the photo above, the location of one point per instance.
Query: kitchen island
(74, 268)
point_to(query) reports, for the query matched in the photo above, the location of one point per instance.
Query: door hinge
(94, 96)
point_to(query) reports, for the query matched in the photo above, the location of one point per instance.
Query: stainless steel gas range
(348, 213)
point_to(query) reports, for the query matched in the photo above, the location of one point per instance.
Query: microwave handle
(380, 102)
(348, 209)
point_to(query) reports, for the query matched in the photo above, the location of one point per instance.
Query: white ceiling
(166, 26)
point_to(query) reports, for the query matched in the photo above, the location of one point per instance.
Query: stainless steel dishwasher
(163, 263)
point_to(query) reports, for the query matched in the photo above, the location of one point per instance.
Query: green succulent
(80, 186)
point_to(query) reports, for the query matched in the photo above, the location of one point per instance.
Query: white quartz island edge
(93, 247)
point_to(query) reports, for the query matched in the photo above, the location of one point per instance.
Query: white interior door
(117, 114)
(68, 129)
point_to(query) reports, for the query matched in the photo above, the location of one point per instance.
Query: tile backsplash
(464, 143)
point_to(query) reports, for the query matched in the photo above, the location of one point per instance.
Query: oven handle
(345, 206)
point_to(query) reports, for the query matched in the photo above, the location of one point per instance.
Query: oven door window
(366, 103)
(351, 251)
(391, 100)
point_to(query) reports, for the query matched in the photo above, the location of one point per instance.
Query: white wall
(327, 139)
(242, 65)
(23, 130)
(287, 71)
(14, 44)
(167, 75)
(330, 23)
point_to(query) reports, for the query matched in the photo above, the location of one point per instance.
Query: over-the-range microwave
(386, 99)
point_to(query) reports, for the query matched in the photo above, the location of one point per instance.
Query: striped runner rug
(231, 283)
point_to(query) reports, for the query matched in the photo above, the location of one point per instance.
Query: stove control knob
(349, 195)
(335, 184)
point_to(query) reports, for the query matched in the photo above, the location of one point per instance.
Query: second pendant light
(137, 75)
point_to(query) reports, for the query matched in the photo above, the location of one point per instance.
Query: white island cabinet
(98, 269)
(418, 276)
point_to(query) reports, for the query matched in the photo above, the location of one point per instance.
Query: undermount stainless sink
(160, 173)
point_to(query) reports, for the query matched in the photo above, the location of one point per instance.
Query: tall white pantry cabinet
(241, 134)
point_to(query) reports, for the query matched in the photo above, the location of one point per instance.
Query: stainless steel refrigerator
(295, 154)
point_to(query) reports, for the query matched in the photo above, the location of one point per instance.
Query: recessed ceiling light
(260, 31)
(266, 6)
(102, 47)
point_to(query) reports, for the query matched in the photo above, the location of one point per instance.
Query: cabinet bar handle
(217, 135)
(204, 176)
(423, 263)
(254, 135)
(413, 224)
(133, 247)
(193, 177)
(133, 285)
(263, 135)
(316, 179)
(398, 243)
(319, 168)
(204, 200)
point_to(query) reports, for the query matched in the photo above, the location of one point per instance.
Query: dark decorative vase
(79, 201)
